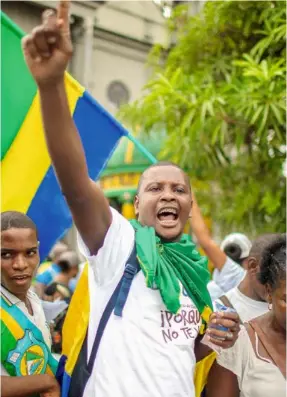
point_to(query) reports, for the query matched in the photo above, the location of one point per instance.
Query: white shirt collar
(12, 298)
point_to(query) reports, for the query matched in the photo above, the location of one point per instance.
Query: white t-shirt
(214, 290)
(38, 317)
(246, 308)
(224, 280)
(148, 352)
(256, 377)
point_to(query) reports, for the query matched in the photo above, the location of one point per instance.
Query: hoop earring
(269, 306)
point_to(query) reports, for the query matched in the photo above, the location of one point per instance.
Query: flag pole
(141, 148)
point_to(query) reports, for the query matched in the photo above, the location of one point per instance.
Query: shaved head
(164, 200)
(260, 244)
(163, 164)
(253, 264)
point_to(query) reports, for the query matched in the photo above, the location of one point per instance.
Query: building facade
(111, 43)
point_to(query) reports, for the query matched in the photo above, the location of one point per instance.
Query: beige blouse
(256, 377)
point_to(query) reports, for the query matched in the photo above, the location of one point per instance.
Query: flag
(29, 182)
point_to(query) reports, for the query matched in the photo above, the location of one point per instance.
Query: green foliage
(220, 95)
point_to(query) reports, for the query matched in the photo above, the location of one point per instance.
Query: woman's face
(279, 304)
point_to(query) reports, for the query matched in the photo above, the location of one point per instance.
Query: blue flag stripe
(100, 133)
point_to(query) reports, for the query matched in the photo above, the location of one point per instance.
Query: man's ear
(136, 205)
(252, 265)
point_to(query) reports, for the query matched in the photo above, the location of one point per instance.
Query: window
(118, 93)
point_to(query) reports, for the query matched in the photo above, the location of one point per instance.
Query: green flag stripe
(18, 87)
(33, 356)
(8, 342)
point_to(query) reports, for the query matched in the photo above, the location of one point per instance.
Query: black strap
(130, 271)
(82, 371)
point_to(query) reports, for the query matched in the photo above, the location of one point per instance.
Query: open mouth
(21, 279)
(167, 216)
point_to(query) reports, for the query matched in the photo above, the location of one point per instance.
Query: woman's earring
(269, 306)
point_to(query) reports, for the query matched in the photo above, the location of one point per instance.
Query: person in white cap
(249, 298)
(237, 247)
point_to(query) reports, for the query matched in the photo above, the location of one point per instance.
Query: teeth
(171, 210)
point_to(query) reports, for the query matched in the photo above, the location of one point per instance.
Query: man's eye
(31, 253)
(180, 190)
(154, 189)
(6, 255)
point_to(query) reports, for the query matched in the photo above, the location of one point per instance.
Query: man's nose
(20, 262)
(168, 195)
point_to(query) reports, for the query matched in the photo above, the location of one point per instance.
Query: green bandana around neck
(166, 265)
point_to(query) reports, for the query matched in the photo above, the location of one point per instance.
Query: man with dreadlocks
(114, 346)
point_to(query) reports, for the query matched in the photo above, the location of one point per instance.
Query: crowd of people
(140, 318)
(254, 365)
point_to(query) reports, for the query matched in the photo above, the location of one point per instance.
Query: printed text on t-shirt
(182, 326)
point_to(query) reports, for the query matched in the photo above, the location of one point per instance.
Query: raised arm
(47, 50)
(199, 228)
(27, 386)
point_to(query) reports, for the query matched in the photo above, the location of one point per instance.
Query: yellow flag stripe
(76, 322)
(12, 324)
(17, 331)
(27, 158)
(129, 152)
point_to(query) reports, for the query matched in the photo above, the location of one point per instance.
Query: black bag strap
(82, 370)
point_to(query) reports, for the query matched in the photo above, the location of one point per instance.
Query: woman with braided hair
(256, 365)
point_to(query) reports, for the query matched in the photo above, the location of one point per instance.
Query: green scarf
(165, 264)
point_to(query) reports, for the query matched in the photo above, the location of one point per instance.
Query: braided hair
(273, 262)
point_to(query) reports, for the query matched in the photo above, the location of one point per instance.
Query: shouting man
(148, 343)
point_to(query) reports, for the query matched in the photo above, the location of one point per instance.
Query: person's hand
(48, 48)
(53, 390)
(224, 339)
